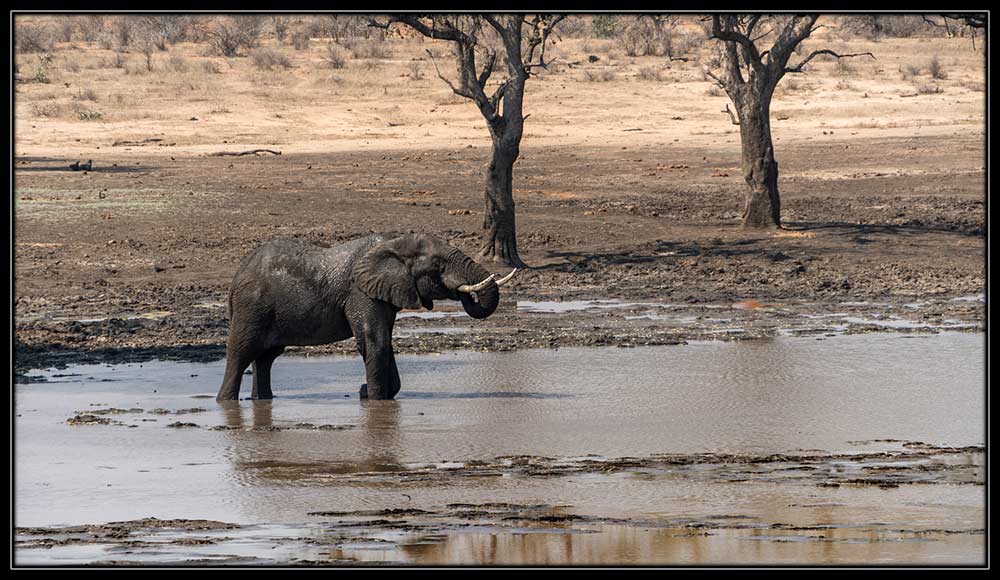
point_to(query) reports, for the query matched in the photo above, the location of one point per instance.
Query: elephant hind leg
(262, 372)
(237, 361)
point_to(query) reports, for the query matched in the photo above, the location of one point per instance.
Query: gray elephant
(290, 292)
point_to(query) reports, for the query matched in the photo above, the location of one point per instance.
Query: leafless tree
(234, 35)
(974, 22)
(749, 76)
(522, 40)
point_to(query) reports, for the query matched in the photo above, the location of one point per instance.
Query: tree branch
(798, 68)
(728, 34)
(732, 116)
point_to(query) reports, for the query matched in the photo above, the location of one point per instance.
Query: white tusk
(506, 278)
(469, 288)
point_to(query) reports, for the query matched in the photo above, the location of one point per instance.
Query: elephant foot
(363, 392)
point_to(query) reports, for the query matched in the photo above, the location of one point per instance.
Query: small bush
(370, 49)
(30, 38)
(572, 27)
(791, 85)
(607, 25)
(46, 109)
(649, 73)
(599, 76)
(86, 94)
(300, 41)
(335, 56)
(928, 89)
(268, 58)
(123, 31)
(715, 91)
(843, 67)
(41, 72)
(234, 35)
(210, 67)
(936, 69)
(908, 71)
(415, 73)
(72, 66)
(88, 115)
(91, 27)
(280, 26)
(176, 63)
(65, 29)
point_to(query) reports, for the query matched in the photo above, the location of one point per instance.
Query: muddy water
(645, 455)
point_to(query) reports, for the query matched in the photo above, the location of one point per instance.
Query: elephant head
(414, 270)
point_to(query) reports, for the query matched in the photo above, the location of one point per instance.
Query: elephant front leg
(380, 369)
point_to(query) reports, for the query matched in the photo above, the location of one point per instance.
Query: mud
(87, 289)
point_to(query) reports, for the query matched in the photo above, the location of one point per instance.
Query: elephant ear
(383, 275)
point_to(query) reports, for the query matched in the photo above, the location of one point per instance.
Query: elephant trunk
(463, 271)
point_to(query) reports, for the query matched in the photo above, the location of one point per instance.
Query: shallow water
(316, 447)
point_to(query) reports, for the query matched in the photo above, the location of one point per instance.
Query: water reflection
(382, 441)
(625, 545)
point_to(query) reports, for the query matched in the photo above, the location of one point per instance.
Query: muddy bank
(518, 324)
(127, 267)
(441, 534)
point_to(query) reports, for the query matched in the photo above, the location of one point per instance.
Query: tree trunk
(498, 225)
(760, 170)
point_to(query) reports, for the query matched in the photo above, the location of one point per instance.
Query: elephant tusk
(470, 288)
(506, 278)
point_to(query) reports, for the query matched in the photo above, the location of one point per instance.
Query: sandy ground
(626, 189)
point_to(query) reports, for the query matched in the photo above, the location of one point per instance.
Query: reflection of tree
(611, 545)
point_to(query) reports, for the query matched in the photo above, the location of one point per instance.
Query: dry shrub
(64, 29)
(843, 67)
(650, 73)
(176, 63)
(91, 27)
(335, 56)
(908, 71)
(415, 73)
(269, 58)
(234, 35)
(84, 114)
(123, 31)
(280, 26)
(32, 38)
(300, 41)
(936, 69)
(369, 49)
(86, 94)
(599, 75)
(49, 110)
(928, 89)
(573, 26)
(607, 25)
(210, 67)
(715, 91)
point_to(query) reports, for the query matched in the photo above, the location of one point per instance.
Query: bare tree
(972, 21)
(522, 39)
(749, 76)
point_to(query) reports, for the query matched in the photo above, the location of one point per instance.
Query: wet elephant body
(294, 293)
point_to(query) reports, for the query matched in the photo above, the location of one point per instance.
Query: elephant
(290, 292)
